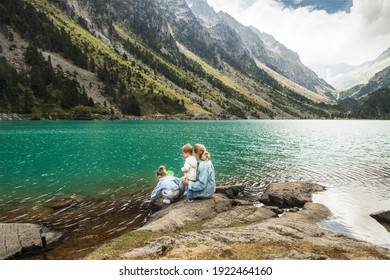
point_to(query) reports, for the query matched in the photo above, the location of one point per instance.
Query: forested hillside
(89, 59)
(375, 105)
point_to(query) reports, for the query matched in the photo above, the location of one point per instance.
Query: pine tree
(92, 65)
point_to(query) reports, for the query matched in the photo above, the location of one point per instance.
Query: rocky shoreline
(241, 221)
(232, 225)
(19, 117)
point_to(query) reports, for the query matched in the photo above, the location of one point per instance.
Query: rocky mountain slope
(380, 80)
(112, 59)
(362, 74)
(260, 46)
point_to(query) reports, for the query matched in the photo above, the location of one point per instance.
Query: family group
(198, 180)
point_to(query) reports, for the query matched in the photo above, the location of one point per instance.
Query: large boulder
(16, 237)
(290, 194)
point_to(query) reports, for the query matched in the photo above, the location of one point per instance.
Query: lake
(110, 167)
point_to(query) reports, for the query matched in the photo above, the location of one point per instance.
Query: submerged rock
(62, 202)
(15, 238)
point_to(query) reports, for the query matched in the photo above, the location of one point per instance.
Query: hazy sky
(321, 31)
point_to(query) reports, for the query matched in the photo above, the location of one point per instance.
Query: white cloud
(317, 36)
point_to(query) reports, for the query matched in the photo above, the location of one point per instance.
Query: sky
(320, 31)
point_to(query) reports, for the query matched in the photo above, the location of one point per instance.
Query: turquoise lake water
(105, 160)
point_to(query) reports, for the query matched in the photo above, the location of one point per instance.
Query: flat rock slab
(182, 213)
(290, 194)
(17, 237)
(247, 214)
(382, 216)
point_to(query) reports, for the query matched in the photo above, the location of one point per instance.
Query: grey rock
(231, 191)
(182, 213)
(158, 247)
(290, 194)
(382, 216)
(275, 209)
(248, 214)
(17, 237)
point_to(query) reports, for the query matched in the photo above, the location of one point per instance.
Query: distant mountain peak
(203, 11)
(362, 73)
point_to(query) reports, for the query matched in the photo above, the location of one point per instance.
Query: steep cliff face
(144, 17)
(262, 47)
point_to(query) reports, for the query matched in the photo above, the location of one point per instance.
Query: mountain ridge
(265, 48)
(361, 74)
(130, 52)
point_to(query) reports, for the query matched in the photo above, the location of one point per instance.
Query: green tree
(130, 106)
(27, 99)
(377, 105)
(11, 36)
(92, 65)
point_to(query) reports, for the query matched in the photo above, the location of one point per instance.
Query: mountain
(328, 71)
(380, 80)
(361, 74)
(89, 59)
(369, 100)
(262, 47)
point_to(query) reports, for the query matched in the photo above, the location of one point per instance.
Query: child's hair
(201, 151)
(187, 148)
(161, 171)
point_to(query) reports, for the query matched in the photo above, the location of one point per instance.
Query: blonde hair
(161, 171)
(187, 148)
(201, 151)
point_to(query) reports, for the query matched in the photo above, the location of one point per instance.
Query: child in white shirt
(189, 169)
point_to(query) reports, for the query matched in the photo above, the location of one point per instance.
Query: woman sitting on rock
(167, 186)
(204, 186)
